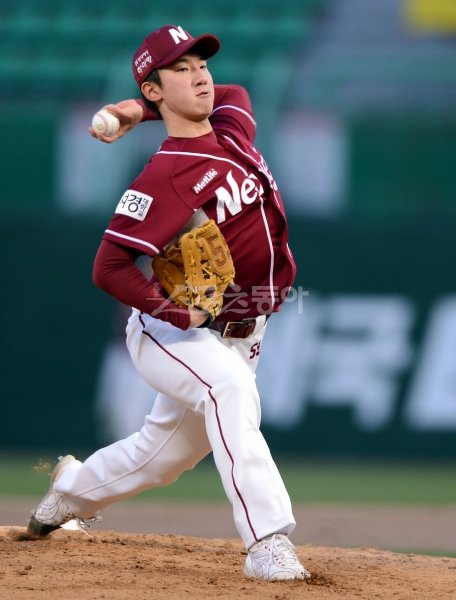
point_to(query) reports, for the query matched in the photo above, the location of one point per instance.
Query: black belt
(235, 329)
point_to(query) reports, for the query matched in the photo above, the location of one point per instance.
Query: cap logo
(178, 35)
(143, 61)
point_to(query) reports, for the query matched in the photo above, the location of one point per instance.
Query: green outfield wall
(361, 360)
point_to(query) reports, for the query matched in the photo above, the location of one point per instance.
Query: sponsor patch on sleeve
(134, 204)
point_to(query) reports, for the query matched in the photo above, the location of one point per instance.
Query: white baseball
(105, 123)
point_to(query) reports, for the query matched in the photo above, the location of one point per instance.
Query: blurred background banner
(361, 359)
(356, 109)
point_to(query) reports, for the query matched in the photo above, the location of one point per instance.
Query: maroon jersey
(220, 176)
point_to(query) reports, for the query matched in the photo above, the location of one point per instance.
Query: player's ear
(151, 90)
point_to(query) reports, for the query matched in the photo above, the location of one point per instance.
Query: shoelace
(285, 552)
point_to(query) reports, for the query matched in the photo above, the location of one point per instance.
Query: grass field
(308, 481)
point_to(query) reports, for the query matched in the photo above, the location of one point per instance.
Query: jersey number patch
(255, 350)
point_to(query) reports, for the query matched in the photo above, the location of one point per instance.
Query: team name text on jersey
(246, 193)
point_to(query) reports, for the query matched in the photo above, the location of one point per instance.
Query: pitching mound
(71, 564)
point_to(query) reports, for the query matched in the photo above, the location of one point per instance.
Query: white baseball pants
(207, 400)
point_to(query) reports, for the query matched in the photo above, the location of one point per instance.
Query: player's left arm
(115, 272)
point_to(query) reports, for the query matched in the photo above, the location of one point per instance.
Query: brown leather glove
(197, 269)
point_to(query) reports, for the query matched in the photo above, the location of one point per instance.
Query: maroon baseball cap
(165, 45)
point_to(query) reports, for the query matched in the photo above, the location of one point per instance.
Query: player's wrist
(199, 318)
(207, 322)
(147, 113)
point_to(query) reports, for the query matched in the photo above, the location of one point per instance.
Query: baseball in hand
(105, 123)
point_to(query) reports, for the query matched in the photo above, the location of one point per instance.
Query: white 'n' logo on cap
(178, 35)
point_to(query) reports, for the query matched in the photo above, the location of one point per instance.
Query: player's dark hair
(153, 77)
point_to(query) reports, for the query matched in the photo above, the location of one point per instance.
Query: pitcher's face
(187, 89)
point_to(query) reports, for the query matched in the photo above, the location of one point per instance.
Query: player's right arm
(129, 112)
(232, 112)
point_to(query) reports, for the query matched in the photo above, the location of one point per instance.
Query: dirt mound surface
(111, 565)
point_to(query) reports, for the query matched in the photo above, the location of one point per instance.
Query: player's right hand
(129, 113)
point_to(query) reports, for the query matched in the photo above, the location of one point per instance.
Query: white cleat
(274, 559)
(53, 513)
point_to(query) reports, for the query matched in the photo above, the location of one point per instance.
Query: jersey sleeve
(115, 272)
(148, 113)
(151, 212)
(232, 113)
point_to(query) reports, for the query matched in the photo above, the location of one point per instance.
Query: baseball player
(203, 368)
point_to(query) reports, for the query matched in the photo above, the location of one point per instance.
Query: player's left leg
(172, 440)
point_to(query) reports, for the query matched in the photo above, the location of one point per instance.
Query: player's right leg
(214, 381)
